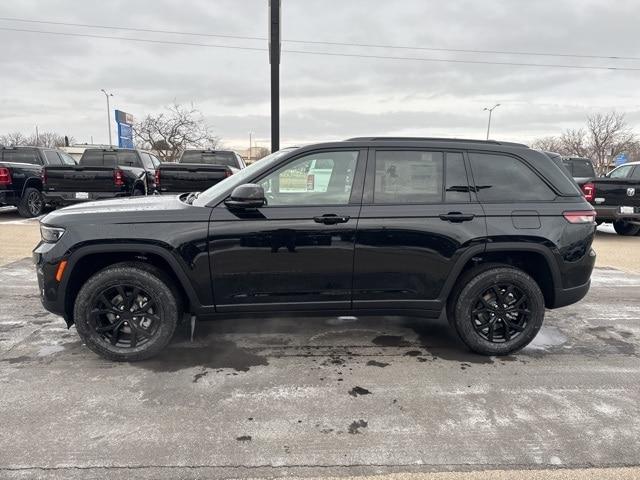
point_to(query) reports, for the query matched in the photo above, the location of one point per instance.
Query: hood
(151, 209)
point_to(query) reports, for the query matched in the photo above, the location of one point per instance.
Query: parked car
(197, 170)
(616, 198)
(20, 176)
(101, 173)
(490, 232)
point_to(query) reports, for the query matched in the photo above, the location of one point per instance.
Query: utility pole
(108, 114)
(274, 60)
(490, 110)
(37, 137)
(249, 160)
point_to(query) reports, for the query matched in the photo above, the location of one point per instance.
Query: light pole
(108, 113)
(250, 134)
(490, 110)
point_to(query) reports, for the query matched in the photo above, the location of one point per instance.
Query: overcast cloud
(55, 81)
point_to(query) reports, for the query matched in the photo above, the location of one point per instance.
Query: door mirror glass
(246, 196)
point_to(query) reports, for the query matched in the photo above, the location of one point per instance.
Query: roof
(434, 139)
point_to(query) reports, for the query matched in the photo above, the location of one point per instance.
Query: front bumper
(49, 288)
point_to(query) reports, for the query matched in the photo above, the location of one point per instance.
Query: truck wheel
(138, 191)
(31, 204)
(496, 309)
(625, 228)
(127, 312)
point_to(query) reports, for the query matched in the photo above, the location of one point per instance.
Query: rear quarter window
(504, 179)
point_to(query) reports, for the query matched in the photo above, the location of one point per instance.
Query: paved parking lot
(318, 397)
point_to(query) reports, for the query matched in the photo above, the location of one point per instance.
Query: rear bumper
(8, 197)
(577, 272)
(568, 296)
(69, 198)
(612, 214)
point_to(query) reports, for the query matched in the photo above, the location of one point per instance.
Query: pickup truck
(616, 198)
(197, 170)
(101, 173)
(20, 176)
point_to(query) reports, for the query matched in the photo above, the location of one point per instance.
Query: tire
(31, 204)
(625, 228)
(138, 192)
(101, 317)
(473, 307)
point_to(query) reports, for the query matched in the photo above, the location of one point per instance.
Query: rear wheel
(31, 204)
(496, 309)
(625, 228)
(138, 191)
(126, 312)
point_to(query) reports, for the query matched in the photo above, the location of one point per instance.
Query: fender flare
(28, 183)
(141, 248)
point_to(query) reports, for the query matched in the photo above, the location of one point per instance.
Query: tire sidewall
(152, 285)
(626, 228)
(25, 209)
(468, 297)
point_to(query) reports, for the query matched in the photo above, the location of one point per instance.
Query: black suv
(492, 233)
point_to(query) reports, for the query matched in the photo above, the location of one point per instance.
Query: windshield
(239, 178)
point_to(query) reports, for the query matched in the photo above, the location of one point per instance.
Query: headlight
(51, 234)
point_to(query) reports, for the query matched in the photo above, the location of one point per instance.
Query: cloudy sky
(54, 81)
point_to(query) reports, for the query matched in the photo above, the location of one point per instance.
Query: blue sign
(620, 159)
(125, 129)
(125, 135)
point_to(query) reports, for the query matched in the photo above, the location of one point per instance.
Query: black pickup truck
(616, 198)
(197, 170)
(101, 173)
(20, 176)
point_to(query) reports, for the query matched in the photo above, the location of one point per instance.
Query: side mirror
(249, 195)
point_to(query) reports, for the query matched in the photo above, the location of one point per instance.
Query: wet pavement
(320, 396)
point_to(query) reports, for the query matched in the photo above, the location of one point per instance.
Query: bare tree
(574, 143)
(549, 144)
(170, 133)
(44, 139)
(13, 139)
(609, 135)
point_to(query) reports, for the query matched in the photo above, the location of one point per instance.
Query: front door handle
(331, 219)
(456, 217)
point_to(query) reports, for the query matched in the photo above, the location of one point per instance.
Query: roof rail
(433, 139)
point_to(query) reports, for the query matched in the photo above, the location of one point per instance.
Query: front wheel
(497, 309)
(126, 312)
(625, 228)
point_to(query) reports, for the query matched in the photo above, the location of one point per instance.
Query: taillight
(118, 178)
(311, 182)
(5, 176)
(581, 216)
(589, 191)
(157, 178)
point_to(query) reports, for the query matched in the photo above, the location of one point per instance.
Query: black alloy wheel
(501, 313)
(125, 316)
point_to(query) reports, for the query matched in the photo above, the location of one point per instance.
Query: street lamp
(490, 110)
(108, 113)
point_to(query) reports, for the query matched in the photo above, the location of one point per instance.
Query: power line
(320, 42)
(331, 54)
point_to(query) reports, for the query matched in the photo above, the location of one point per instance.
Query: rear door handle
(456, 217)
(331, 219)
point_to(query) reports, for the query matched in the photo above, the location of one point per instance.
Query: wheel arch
(536, 260)
(32, 182)
(87, 261)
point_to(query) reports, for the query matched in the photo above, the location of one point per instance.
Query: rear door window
(52, 157)
(405, 176)
(504, 179)
(21, 156)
